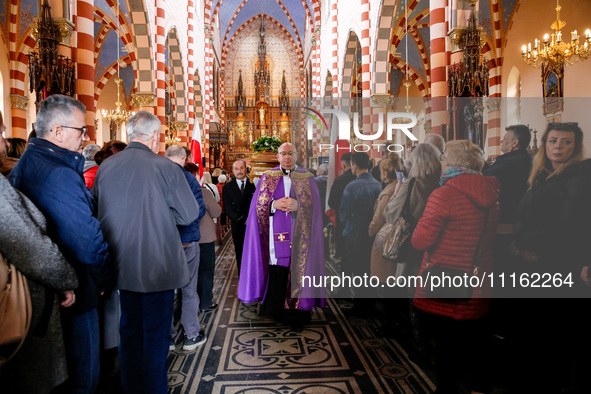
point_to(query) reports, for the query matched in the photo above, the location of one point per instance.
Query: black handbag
(397, 237)
(453, 284)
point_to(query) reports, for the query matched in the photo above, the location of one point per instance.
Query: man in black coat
(512, 168)
(336, 195)
(237, 195)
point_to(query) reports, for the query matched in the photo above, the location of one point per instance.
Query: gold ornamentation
(383, 100)
(143, 99)
(179, 126)
(18, 101)
(553, 51)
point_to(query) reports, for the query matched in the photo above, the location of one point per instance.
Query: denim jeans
(82, 343)
(206, 274)
(190, 300)
(144, 327)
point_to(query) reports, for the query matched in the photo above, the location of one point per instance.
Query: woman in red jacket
(457, 215)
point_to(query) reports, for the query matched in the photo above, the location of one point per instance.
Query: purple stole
(282, 229)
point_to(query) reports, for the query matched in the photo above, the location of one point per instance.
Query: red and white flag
(196, 148)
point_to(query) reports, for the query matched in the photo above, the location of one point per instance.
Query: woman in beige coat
(426, 169)
(388, 168)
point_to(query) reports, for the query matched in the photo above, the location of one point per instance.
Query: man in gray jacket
(142, 197)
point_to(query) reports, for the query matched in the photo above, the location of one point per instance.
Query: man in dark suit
(237, 195)
(336, 195)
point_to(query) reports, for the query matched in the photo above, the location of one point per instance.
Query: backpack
(15, 310)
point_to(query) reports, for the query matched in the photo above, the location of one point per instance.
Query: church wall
(533, 20)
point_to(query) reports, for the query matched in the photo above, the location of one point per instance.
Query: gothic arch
(143, 43)
(349, 61)
(198, 100)
(382, 47)
(177, 74)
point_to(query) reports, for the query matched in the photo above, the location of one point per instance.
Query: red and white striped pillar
(160, 110)
(85, 61)
(190, 73)
(335, 48)
(18, 69)
(208, 91)
(438, 32)
(495, 66)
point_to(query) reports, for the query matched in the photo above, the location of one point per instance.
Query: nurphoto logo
(395, 121)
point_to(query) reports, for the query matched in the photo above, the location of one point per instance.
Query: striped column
(366, 63)
(222, 103)
(207, 88)
(495, 69)
(190, 72)
(438, 32)
(335, 48)
(85, 61)
(18, 69)
(316, 87)
(160, 72)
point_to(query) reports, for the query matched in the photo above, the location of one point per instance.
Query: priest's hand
(283, 204)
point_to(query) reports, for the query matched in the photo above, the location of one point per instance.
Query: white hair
(141, 126)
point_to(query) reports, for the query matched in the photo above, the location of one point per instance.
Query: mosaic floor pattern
(245, 353)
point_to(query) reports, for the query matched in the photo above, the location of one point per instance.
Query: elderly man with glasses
(50, 174)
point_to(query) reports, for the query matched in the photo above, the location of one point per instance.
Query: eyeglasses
(287, 154)
(83, 130)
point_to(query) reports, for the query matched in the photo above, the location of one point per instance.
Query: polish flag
(196, 148)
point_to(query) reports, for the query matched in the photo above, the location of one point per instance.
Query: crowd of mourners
(106, 235)
(518, 217)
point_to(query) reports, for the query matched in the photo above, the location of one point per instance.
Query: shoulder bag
(15, 310)
(396, 237)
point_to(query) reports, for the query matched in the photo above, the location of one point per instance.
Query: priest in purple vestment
(283, 258)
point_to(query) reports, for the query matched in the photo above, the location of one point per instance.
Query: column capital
(493, 104)
(18, 101)
(143, 99)
(179, 126)
(383, 100)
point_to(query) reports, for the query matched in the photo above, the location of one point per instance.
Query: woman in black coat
(551, 234)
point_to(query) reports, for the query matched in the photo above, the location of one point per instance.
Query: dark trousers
(145, 324)
(206, 274)
(82, 342)
(461, 353)
(238, 231)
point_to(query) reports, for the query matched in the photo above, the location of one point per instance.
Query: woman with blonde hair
(456, 232)
(425, 175)
(388, 167)
(208, 183)
(551, 236)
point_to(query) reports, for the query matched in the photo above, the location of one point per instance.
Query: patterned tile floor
(335, 353)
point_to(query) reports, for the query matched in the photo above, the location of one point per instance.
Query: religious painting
(314, 163)
(552, 84)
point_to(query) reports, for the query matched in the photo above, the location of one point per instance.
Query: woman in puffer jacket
(457, 215)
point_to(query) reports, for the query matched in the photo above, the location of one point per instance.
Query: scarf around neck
(455, 171)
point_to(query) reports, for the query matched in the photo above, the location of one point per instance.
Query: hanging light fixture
(553, 51)
(117, 116)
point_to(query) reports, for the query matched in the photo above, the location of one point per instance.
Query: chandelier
(117, 116)
(553, 50)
